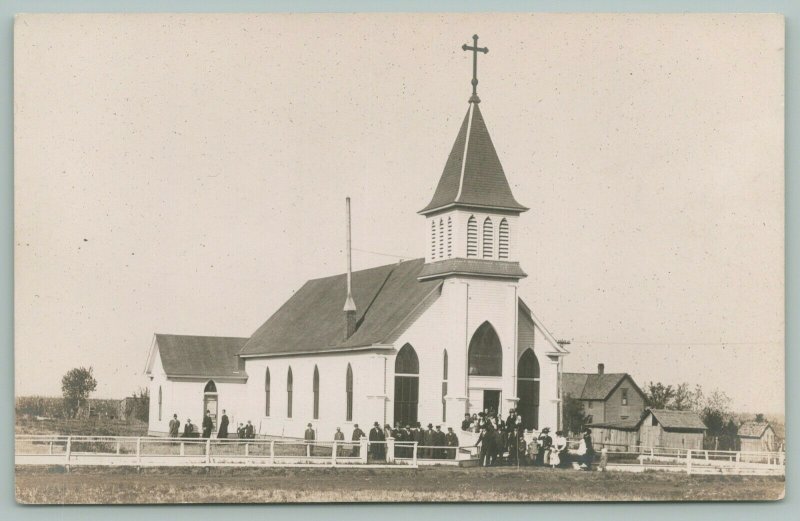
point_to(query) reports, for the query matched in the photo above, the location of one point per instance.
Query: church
(425, 340)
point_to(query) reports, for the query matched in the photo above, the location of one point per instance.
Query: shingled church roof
(205, 356)
(473, 175)
(312, 321)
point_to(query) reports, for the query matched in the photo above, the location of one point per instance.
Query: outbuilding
(757, 437)
(655, 428)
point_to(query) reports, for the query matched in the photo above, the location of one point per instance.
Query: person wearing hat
(545, 442)
(487, 443)
(188, 429)
(357, 435)
(428, 441)
(376, 438)
(586, 449)
(174, 426)
(451, 440)
(249, 430)
(310, 436)
(208, 425)
(559, 456)
(439, 439)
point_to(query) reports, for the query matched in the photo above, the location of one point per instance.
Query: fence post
(183, 449)
(390, 450)
(308, 450)
(364, 446)
(51, 448)
(246, 449)
(706, 455)
(689, 461)
(68, 452)
(272, 452)
(118, 443)
(333, 453)
(208, 450)
(414, 455)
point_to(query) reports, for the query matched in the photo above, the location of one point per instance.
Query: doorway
(210, 401)
(491, 401)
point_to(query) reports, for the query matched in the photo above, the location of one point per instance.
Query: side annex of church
(426, 340)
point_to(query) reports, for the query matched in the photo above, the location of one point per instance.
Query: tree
(715, 412)
(141, 404)
(573, 416)
(686, 399)
(658, 395)
(760, 418)
(76, 386)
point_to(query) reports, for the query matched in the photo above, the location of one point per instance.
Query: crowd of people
(501, 442)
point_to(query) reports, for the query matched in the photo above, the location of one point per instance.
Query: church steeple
(471, 219)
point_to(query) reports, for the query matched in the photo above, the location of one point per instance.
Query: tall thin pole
(349, 305)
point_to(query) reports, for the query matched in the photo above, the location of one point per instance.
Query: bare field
(281, 485)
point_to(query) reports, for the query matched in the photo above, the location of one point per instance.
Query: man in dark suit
(357, 435)
(310, 436)
(428, 440)
(249, 430)
(486, 441)
(376, 435)
(338, 436)
(188, 429)
(208, 425)
(223, 426)
(465, 425)
(174, 426)
(440, 441)
(451, 440)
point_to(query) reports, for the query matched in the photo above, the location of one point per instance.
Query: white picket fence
(696, 461)
(195, 452)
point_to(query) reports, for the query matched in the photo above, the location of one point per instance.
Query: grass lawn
(279, 485)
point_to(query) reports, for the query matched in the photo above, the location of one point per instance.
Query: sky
(186, 173)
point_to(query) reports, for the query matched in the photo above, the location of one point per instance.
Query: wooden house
(606, 397)
(757, 437)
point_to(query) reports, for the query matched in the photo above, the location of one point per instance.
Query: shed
(655, 428)
(756, 437)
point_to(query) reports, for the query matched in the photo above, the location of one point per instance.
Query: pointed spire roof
(473, 175)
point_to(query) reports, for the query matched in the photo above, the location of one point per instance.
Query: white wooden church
(423, 340)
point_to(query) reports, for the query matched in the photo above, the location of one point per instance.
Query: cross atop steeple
(475, 50)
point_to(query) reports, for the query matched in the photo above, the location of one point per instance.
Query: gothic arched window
(348, 387)
(406, 386)
(528, 389)
(289, 389)
(267, 385)
(485, 352)
(488, 236)
(315, 390)
(472, 237)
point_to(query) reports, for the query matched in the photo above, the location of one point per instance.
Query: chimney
(601, 368)
(349, 304)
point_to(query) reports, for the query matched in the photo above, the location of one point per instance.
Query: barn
(655, 428)
(757, 437)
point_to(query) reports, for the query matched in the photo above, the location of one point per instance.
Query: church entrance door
(210, 404)
(491, 401)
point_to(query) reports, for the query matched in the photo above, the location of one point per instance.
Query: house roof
(682, 420)
(209, 356)
(312, 320)
(473, 175)
(591, 386)
(753, 429)
(630, 424)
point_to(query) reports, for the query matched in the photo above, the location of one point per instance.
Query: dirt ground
(280, 485)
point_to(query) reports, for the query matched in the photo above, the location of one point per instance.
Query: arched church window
(449, 237)
(488, 232)
(289, 389)
(406, 361)
(211, 387)
(315, 389)
(485, 352)
(502, 241)
(444, 386)
(267, 388)
(472, 237)
(159, 403)
(441, 238)
(528, 389)
(406, 386)
(348, 386)
(433, 240)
